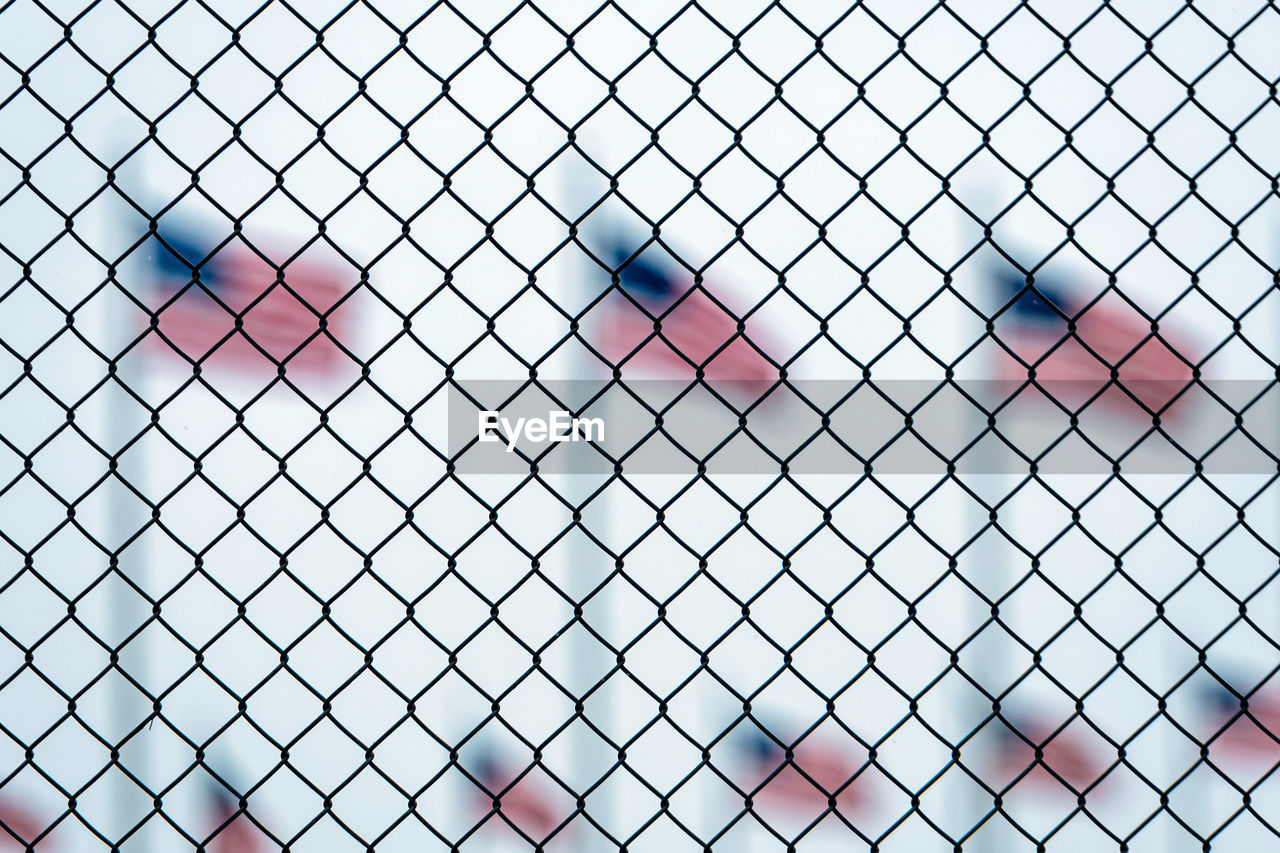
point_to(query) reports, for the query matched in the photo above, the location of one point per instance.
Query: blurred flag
(1065, 755)
(802, 787)
(1254, 733)
(230, 829)
(200, 293)
(530, 805)
(18, 828)
(695, 330)
(1034, 326)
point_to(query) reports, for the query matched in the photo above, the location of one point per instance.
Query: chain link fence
(914, 364)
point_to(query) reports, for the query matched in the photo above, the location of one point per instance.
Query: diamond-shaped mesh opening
(728, 426)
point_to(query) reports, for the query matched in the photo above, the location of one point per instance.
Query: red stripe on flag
(531, 805)
(692, 331)
(1252, 734)
(276, 320)
(1065, 756)
(802, 789)
(234, 832)
(1109, 333)
(18, 828)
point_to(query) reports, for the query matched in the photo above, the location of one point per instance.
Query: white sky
(738, 186)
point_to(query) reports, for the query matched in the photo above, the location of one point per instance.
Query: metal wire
(587, 573)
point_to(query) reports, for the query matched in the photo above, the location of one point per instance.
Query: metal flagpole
(987, 563)
(128, 611)
(586, 654)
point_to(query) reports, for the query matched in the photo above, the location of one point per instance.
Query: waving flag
(18, 829)
(659, 318)
(528, 804)
(231, 830)
(1239, 732)
(803, 786)
(1109, 333)
(230, 307)
(1066, 758)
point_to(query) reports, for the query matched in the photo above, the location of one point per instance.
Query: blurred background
(936, 344)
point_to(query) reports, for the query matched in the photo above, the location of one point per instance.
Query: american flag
(802, 787)
(231, 830)
(18, 828)
(695, 331)
(201, 291)
(530, 804)
(1064, 755)
(1108, 333)
(1235, 732)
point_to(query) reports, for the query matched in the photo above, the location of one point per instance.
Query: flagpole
(127, 613)
(707, 321)
(988, 562)
(583, 554)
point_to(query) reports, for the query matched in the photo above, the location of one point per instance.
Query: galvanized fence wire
(570, 33)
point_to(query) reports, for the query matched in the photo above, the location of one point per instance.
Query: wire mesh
(263, 589)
